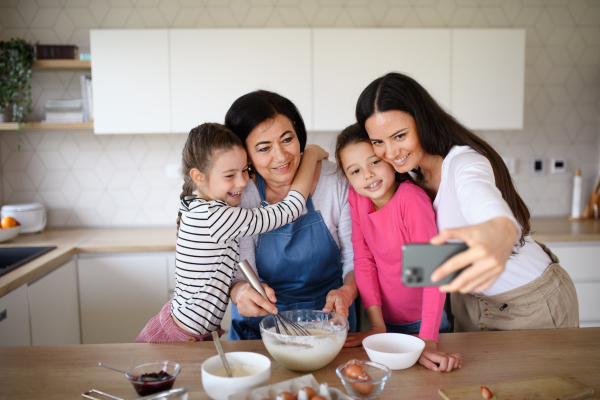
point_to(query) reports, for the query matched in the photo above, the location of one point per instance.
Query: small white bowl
(394, 350)
(9, 233)
(220, 388)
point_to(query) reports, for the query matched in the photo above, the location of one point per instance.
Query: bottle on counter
(576, 206)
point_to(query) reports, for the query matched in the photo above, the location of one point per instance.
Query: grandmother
(307, 264)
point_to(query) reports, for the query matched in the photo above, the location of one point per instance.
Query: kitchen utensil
(305, 353)
(31, 216)
(217, 341)
(220, 387)
(173, 394)
(280, 320)
(547, 387)
(291, 386)
(109, 367)
(9, 233)
(395, 350)
(369, 389)
(145, 385)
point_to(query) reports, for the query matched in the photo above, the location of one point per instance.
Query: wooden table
(61, 372)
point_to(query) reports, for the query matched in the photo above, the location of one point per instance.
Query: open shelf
(61, 64)
(38, 126)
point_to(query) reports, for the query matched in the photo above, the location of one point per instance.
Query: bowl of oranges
(10, 229)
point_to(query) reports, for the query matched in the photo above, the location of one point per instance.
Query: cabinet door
(119, 295)
(347, 60)
(488, 77)
(54, 307)
(211, 68)
(580, 260)
(131, 81)
(14, 318)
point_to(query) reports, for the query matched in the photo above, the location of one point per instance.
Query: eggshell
(363, 388)
(318, 398)
(287, 396)
(354, 371)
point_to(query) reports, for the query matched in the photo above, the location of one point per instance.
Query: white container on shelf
(31, 216)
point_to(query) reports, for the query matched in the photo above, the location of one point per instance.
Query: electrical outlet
(558, 166)
(537, 166)
(511, 164)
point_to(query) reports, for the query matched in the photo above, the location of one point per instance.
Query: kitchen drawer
(580, 259)
(588, 295)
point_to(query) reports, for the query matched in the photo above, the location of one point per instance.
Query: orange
(9, 222)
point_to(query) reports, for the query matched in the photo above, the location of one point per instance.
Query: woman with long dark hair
(509, 281)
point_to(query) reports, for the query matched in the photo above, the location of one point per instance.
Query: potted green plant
(16, 60)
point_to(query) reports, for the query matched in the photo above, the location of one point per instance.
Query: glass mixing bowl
(306, 353)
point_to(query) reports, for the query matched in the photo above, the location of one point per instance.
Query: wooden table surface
(64, 372)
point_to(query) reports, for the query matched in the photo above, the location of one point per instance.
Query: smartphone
(420, 260)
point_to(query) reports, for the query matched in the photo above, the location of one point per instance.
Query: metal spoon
(217, 341)
(109, 367)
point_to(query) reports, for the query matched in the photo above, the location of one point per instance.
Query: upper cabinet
(211, 68)
(131, 80)
(160, 81)
(488, 77)
(347, 60)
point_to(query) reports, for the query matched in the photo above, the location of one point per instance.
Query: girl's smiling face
(368, 174)
(227, 178)
(395, 139)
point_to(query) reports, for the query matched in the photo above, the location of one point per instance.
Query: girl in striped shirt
(215, 165)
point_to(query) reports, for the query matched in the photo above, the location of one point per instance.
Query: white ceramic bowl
(9, 233)
(395, 350)
(220, 388)
(305, 353)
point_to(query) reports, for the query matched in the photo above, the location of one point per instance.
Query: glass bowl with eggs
(327, 330)
(363, 379)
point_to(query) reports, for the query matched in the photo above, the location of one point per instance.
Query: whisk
(290, 327)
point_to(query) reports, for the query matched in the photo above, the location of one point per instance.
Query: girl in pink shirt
(388, 210)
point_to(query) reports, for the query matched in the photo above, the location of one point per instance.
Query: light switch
(537, 166)
(558, 166)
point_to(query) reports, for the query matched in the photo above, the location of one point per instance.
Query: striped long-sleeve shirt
(207, 253)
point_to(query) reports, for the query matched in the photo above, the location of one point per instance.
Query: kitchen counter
(146, 239)
(59, 372)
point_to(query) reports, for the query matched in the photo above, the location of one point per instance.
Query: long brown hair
(203, 142)
(438, 131)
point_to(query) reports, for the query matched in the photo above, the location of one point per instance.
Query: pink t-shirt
(377, 238)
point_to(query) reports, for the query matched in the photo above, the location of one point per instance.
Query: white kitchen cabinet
(14, 318)
(582, 261)
(211, 68)
(347, 60)
(488, 77)
(119, 294)
(131, 80)
(54, 307)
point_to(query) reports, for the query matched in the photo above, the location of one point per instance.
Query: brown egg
(318, 398)
(309, 391)
(354, 371)
(363, 388)
(287, 396)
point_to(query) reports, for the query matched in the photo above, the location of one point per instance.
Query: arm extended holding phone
(420, 260)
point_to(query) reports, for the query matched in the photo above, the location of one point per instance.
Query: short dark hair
(254, 108)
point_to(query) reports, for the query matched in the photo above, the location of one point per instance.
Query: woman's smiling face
(395, 139)
(274, 150)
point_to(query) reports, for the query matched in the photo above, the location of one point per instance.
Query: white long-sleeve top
(330, 199)
(207, 253)
(467, 196)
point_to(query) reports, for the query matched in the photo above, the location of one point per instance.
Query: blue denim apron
(300, 261)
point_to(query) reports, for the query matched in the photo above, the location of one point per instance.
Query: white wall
(88, 180)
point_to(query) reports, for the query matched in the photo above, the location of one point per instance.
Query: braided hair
(202, 144)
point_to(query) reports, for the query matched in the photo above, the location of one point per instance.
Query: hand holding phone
(419, 260)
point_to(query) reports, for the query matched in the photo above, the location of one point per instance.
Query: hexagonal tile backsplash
(115, 180)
